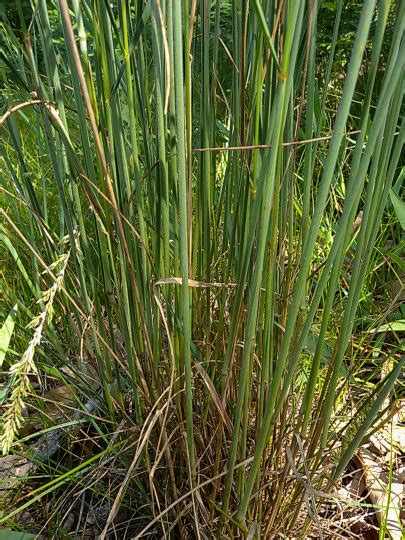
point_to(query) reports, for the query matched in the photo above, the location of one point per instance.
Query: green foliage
(399, 207)
(6, 534)
(6, 331)
(220, 179)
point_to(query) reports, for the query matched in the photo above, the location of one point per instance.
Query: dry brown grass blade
(18, 107)
(385, 498)
(187, 495)
(153, 417)
(123, 488)
(193, 283)
(214, 395)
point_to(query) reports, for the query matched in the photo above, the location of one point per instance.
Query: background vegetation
(201, 260)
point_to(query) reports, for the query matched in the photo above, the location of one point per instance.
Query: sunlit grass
(208, 190)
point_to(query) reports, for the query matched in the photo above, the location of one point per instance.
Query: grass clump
(221, 172)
